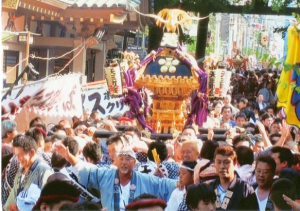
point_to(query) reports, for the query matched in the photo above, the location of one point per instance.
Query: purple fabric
(199, 105)
(133, 98)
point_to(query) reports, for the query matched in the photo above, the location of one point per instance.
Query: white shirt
(176, 198)
(261, 204)
(245, 172)
(124, 195)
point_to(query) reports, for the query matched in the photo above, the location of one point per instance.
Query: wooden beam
(53, 42)
(88, 13)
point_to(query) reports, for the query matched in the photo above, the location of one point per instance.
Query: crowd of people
(65, 166)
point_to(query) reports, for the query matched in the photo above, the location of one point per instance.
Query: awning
(6, 35)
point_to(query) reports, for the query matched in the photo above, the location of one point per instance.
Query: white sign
(99, 100)
(53, 96)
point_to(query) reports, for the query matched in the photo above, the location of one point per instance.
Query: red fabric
(126, 119)
(144, 203)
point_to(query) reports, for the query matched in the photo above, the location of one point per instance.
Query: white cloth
(261, 204)
(245, 172)
(176, 198)
(124, 195)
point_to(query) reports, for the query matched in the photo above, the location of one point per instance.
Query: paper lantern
(114, 79)
(264, 40)
(218, 82)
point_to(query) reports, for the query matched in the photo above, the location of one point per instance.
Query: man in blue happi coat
(120, 186)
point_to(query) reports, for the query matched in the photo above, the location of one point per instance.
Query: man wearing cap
(119, 186)
(146, 202)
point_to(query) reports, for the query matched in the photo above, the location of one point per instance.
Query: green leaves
(297, 89)
(296, 69)
(287, 67)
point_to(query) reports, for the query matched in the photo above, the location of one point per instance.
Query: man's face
(226, 100)
(189, 152)
(241, 105)
(258, 146)
(125, 163)
(185, 177)
(271, 111)
(260, 98)
(279, 165)
(211, 114)
(12, 134)
(114, 148)
(226, 114)
(263, 174)
(224, 166)
(218, 109)
(240, 121)
(206, 205)
(268, 122)
(275, 128)
(22, 156)
(189, 132)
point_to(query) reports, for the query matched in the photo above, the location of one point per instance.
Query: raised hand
(295, 206)
(61, 149)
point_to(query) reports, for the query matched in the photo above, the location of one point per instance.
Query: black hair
(161, 150)
(57, 137)
(80, 123)
(133, 129)
(241, 115)
(208, 149)
(72, 144)
(39, 120)
(280, 187)
(25, 142)
(115, 139)
(267, 159)
(36, 134)
(244, 100)
(244, 155)
(58, 161)
(226, 107)
(240, 138)
(190, 164)
(266, 116)
(273, 136)
(83, 206)
(92, 151)
(272, 107)
(284, 155)
(55, 128)
(296, 159)
(196, 193)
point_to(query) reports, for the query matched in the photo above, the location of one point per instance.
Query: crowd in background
(65, 166)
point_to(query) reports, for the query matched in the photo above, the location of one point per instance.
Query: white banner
(54, 96)
(97, 99)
